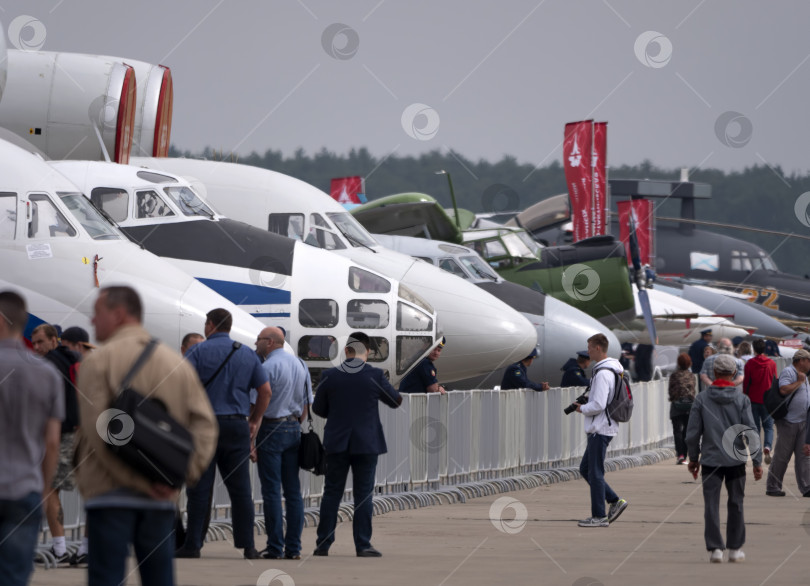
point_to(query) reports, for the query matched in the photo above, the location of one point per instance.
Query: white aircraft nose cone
(566, 330)
(483, 333)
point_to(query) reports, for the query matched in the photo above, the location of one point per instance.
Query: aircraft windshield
(188, 201)
(478, 267)
(516, 246)
(533, 244)
(352, 229)
(89, 217)
(767, 262)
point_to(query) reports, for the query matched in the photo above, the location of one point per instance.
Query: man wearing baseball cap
(424, 377)
(516, 375)
(78, 340)
(719, 424)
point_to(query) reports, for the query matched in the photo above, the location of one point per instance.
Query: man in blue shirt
(574, 375)
(353, 438)
(277, 447)
(423, 378)
(516, 376)
(228, 389)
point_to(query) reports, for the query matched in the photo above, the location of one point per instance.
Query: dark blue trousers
(363, 467)
(233, 460)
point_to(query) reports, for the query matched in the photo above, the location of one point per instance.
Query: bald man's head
(268, 340)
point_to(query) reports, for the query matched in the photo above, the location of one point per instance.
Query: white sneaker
(717, 556)
(736, 555)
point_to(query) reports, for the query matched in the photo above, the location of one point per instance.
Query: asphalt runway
(531, 537)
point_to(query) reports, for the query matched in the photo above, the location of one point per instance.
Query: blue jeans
(363, 467)
(19, 529)
(277, 452)
(763, 420)
(592, 469)
(110, 531)
(233, 459)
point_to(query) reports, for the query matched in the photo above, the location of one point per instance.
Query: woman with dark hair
(681, 396)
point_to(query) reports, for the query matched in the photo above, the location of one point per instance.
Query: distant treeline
(760, 196)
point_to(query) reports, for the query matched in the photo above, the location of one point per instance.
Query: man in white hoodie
(601, 430)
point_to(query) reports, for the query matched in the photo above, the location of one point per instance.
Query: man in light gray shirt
(790, 431)
(724, 346)
(32, 406)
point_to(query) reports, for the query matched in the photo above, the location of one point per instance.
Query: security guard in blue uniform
(574, 375)
(423, 378)
(697, 348)
(516, 377)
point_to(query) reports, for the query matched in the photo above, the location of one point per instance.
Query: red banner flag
(348, 190)
(577, 147)
(642, 210)
(599, 163)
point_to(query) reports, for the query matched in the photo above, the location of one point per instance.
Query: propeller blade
(644, 300)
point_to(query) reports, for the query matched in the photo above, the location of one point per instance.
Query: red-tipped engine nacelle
(68, 104)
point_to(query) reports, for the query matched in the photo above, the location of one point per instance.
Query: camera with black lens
(581, 400)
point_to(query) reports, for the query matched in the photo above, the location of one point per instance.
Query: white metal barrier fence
(464, 436)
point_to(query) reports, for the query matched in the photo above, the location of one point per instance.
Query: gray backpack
(620, 405)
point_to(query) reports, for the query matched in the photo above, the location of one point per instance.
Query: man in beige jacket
(123, 507)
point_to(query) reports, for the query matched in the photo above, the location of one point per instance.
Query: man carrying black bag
(124, 507)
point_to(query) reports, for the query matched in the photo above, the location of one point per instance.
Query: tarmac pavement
(531, 537)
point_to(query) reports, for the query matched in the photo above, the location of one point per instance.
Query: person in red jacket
(759, 374)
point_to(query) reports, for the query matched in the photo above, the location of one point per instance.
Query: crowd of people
(240, 405)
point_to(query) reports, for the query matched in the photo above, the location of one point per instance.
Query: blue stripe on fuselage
(243, 293)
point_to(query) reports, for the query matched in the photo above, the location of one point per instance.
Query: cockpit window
(289, 225)
(114, 201)
(451, 266)
(8, 216)
(516, 246)
(364, 281)
(188, 201)
(767, 262)
(47, 221)
(152, 205)
(320, 236)
(478, 268)
(409, 350)
(97, 226)
(494, 249)
(530, 242)
(153, 177)
(352, 229)
(740, 261)
(367, 313)
(411, 319)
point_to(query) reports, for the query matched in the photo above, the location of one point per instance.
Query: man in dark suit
(353, 438)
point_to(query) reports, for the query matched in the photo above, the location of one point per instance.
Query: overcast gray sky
(690, 83)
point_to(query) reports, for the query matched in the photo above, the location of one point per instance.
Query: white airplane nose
(483, 333)
(566, 331)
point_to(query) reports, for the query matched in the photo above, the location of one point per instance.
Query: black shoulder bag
(150, 440)
(311, 455)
